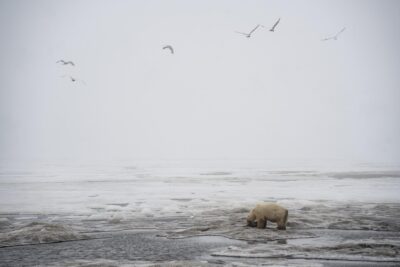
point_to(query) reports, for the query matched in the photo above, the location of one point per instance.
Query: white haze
(283, 95)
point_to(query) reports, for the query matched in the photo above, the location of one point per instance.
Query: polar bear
(264, 212)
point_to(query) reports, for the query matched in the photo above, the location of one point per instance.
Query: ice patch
(361, 252)
(4, 222)
(116, 218)
(115, 263)
(113, 218)
(119, 204)
(216, 173)
(36, 233)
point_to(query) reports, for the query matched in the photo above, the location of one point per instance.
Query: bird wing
(73, 79)
(258, 25)
(242, 33)
(276, 24)
(342, 30)
(82, 81)
(169, 47)
(335, 36)
(70, 62)
(62, 61)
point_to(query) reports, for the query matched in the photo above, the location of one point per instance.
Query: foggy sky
(285, 94)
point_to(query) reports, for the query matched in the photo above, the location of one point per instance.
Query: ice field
(192, 213)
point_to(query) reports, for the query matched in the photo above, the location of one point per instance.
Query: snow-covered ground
(337, 212)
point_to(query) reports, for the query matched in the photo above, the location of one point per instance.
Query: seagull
(66, 62)
(74, 79)
(248, 35)
(335, 37)
(169, 47)
(276, 24)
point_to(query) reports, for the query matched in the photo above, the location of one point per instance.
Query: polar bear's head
(251, 219)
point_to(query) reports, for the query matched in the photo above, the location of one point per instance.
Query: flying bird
(276, 24)
(73, 79)
(335, 37)
(77, 80)
(248, 35)
(169, 47)
(66, 62)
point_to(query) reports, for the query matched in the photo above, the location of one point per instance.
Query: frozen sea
(193, 213)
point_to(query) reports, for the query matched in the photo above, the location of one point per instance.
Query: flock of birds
(248, 35)
(171, 49)
(72, 79)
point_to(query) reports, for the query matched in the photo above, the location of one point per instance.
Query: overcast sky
(282, 94)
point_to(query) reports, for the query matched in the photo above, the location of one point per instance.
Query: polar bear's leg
(282, 222)
(281, 226)
(261, 223)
